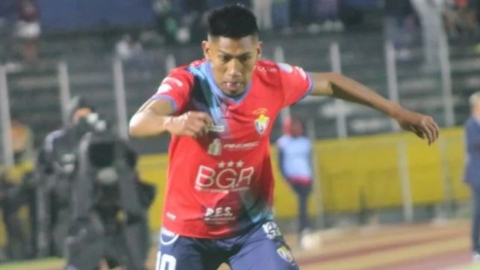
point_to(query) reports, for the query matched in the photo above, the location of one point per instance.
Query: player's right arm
(164, 112)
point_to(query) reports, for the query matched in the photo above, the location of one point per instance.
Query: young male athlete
(220, 112)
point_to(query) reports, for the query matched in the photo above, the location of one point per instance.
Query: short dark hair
(232, 21)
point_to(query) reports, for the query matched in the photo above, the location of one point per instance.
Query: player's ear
(206, 49)
(259, 50)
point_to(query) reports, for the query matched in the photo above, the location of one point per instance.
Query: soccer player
(220, 112)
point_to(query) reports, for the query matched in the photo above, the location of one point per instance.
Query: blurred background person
(28, 29)
(22, 140)
(128, 49)
(431, 17)
(108, 204)
(399, 26)
(472, 169)
(461, 18)
(328, 13)
(281, 16)
(263, 11)
(15, 193)
(295, 161)
(55, 165)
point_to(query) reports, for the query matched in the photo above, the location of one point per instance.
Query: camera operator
(108, 204)
(53, 176)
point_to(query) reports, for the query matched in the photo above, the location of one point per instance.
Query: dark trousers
(302, 191)
(476, 219)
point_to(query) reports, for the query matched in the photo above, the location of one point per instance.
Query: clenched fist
(191, 124)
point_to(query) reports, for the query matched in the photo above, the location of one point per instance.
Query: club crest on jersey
(215, 148)
(285, 253)
(262, 121)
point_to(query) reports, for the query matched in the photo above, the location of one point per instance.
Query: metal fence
(119, 89)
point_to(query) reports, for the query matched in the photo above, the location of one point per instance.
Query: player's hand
(422, 125)
(191, 124)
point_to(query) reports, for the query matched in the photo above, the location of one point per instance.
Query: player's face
(82, 112)
(233, 61)
(297, 129)
(476, 109)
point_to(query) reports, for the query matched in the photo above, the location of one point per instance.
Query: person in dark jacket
(54, 167)
(472, 168)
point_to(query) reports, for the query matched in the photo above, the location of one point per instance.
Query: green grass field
(45, 264)
(471, 267)
(474, 267)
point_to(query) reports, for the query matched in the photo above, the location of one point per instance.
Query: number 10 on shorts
(165, 262)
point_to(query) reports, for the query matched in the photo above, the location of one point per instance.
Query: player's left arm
(342, 87)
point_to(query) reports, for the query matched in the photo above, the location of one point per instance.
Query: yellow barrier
(356, 172)
(356, 169)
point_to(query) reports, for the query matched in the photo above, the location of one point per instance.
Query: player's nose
(234, 68)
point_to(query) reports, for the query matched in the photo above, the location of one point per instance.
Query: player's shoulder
(306, 140)
(283, 140)
(184, 73)
(266, 68)
(180, 73)
(178, 78)
(268, 73)
(472, 123)
(272, 71)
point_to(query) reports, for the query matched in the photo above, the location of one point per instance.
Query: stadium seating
(35, 92)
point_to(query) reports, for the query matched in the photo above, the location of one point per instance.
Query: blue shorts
(262, 248)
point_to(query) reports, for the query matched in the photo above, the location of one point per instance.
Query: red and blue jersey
(222, 184)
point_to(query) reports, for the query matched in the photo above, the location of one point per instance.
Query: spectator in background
(13, 194)
(166, 25)
(29, 28)
(431, 17)
(328, 13)
(22, 140)
(281, 16)
(399, 24)
(127, 48)
(294, 158)
(263, 11)
(472, 169)
(460, 18)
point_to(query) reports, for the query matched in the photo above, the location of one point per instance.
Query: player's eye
(225, 58)
(244, 58)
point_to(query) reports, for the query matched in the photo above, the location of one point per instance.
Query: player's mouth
(233, 87)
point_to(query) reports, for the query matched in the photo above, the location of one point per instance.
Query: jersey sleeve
(175, 88)
(296, 83)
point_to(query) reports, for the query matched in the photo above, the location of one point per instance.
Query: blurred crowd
(183, 21)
